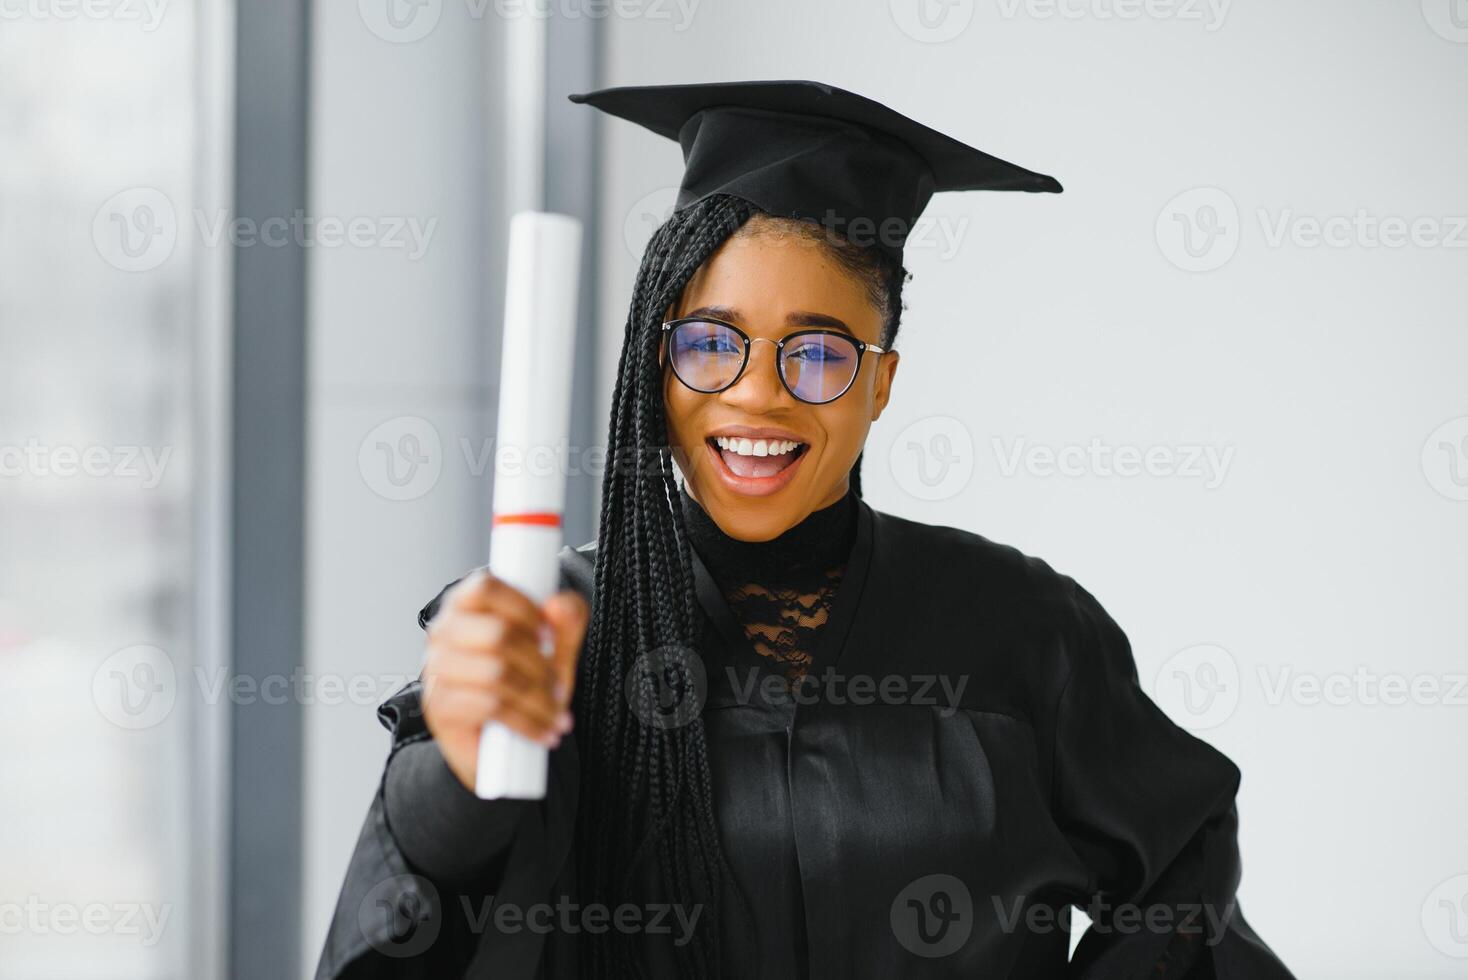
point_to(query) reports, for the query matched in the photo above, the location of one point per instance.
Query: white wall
(1327, 546)
(401, 129)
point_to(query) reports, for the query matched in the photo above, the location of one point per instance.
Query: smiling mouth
(756, 458)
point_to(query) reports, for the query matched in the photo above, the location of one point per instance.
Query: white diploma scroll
(530, 453)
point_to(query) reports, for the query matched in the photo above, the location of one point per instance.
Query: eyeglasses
(816, 366)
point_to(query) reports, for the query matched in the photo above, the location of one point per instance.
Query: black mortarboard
(808, 150)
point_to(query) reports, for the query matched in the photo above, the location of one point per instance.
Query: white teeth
(756, 447)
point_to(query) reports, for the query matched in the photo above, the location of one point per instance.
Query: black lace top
(780, 591)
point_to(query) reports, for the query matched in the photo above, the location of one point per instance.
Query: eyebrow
(800, 318)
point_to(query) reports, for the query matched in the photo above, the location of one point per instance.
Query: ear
(886, 371)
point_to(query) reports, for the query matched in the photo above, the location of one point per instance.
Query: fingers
(481, 592)
(465, 710)
(510, 681)
(516, 668)
(476, 630)
(486, 662)
(568, 613)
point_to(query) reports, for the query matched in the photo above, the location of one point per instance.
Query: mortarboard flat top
(809, 150)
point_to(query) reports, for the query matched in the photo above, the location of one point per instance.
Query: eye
(708, 342)
(815, 352)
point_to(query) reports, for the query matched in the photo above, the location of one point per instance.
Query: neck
(821, 540)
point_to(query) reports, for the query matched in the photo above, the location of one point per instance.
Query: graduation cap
(804, 149)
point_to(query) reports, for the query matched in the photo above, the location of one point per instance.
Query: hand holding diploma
(485, 664)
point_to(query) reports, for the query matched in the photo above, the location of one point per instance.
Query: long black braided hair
(645, 789)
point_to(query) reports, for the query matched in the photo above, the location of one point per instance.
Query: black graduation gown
(880, 825)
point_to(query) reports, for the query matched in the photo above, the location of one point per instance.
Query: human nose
(760, 382)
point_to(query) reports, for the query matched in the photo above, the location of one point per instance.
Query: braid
(646, 790)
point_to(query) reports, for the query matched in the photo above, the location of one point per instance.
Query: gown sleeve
(445, 831)
(409, 907)
(1150, 810)
(393, 918)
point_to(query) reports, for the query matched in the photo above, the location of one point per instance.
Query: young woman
(791, 735)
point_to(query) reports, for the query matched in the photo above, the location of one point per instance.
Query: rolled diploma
(530, 479)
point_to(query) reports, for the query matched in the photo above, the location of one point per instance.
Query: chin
(753, 518)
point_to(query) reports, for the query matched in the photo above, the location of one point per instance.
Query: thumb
(567, 613)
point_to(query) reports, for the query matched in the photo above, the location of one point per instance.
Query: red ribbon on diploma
(543, 518)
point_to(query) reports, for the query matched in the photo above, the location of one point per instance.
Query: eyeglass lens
(817, 367)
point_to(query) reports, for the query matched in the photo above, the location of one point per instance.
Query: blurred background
(251, 277)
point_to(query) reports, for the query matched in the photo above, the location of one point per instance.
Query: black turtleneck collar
(818, 543)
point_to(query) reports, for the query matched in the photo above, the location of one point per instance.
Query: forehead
(766, 277)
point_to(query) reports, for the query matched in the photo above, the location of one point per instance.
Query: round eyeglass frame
(861, 348)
